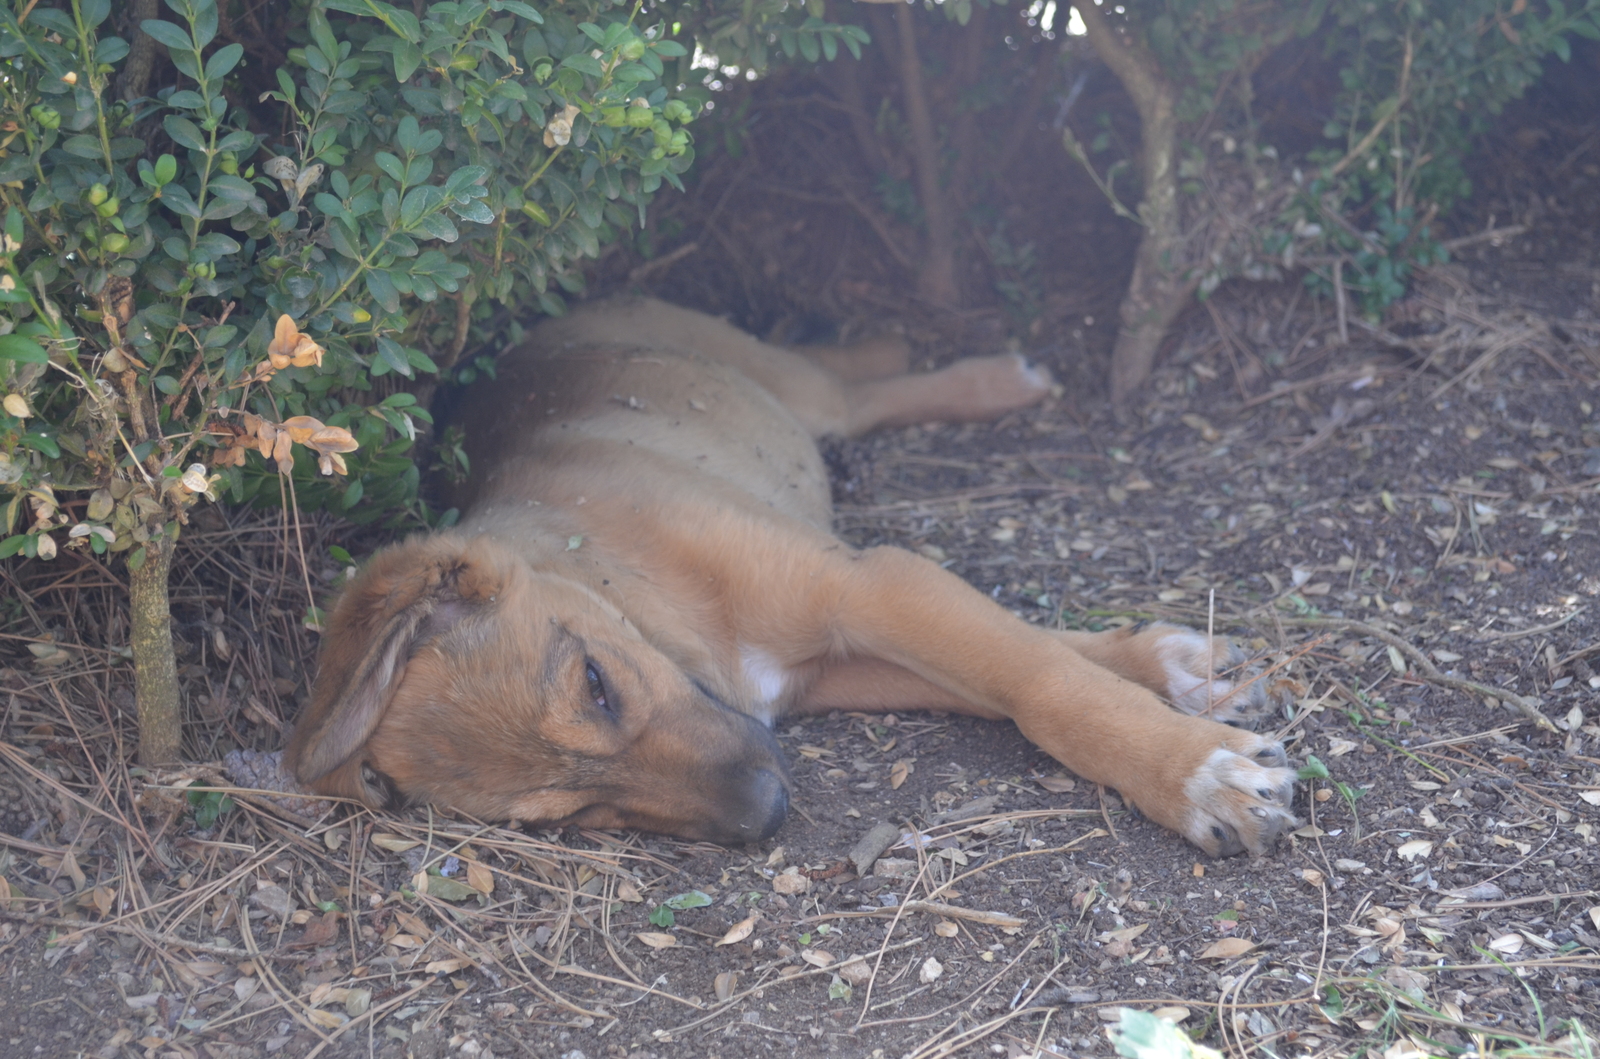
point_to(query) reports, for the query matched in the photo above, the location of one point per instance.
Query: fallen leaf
(723, 984)
(449, 966)
(739, 931)
(898, 773)
(480, 877)
(1125, 934)
(1417, 848)
(817, 957)
(357, 1001)
(1592, 797)
(1226, 949)
(393, 843)
(946, 929)
(1507, 943)
(1339, 747)
(1312, 876)
(1058, 784)
(318, 932)
(791, 882)
(627, 891)
(855, 970)
(657, 941)
(1172, 1013)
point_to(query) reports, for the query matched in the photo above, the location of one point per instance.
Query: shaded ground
(1421, 501)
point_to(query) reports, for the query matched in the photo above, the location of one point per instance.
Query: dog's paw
(1208, 676)
(1238, 799)
(993, 386)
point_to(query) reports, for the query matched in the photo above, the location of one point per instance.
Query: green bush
(194, 308)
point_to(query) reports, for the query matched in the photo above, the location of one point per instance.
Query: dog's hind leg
(883, 357)
(975, 389)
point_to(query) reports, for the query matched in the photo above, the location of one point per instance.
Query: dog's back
(600, 396)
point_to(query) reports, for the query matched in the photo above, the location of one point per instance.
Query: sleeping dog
(644, 579)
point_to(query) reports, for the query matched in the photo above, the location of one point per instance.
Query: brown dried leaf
(333, 439)
(946, 929)
(447, 966)
(282, 452)
(739, 931)
(1226, 949)
(724, 983)
(1058, 784)
(656, 940)
(284, 336)
(301, 428)
(480, 877)
(790, 883)
(318, 932)
(898, 773)
(69, 864)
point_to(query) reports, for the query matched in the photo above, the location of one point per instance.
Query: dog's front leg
(1226, 790)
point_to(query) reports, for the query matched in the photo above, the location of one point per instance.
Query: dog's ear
(404, 597)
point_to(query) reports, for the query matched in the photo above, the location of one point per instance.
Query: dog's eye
(597, 687)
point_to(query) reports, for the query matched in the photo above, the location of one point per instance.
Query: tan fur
(648, 508)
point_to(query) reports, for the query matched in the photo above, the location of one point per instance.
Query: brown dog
(645, 578)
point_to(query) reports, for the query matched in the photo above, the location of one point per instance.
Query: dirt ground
(1401, 528)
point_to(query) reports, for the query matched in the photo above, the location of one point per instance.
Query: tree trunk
(1159, 288)
(936, 280)
(154, 667)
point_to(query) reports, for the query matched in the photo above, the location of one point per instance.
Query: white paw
(1239, 798)
(1192, 663)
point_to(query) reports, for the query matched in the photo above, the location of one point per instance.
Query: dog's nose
(769, 803)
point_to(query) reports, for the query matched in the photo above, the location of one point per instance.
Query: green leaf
(661, 916)
(692, 899)
(82, 146)
(383, 292)
(16, 347)
(447, 889)
(1313, 769)
(223, 60)
(584, 64)
(173, 36)
(185, 132)
(407, 57)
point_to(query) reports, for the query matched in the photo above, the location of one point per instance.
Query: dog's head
(453, 672)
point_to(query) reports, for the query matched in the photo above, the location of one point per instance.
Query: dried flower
(290, 346)
(559, 131)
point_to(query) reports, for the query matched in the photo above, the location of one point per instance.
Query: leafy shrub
(197, 308)
(1417, 80)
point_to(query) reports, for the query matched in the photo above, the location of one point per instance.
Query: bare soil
(1373, 519)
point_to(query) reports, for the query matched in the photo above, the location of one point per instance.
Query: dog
(645, 578)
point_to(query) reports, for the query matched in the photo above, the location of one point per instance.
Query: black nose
(769, 805)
